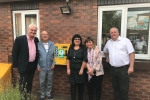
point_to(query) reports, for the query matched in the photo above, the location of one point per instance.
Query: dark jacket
(20, 53)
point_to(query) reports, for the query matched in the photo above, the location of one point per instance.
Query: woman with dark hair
(76, 62)
(95, 69)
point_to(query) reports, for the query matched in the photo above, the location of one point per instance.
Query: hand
(39, 69)
(15, 69)
(107, 59)
(90, 70)
(68, 71)
(52, 67)
(130, 70)
(81, 71)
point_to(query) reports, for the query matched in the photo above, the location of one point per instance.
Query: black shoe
(41, 98)
(50, 98)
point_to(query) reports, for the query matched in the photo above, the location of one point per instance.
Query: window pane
(110, 19)
(30, 19)
(18, 24)
(138, 28)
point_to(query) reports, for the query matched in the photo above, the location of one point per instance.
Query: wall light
(65, 9)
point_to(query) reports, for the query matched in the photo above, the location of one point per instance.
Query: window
(138, 28)
(22, 19)
(132, 22)
(110, 19)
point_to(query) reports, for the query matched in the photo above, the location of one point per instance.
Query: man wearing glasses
(46, 66)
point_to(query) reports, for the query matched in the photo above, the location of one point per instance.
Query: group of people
(84, 62)
(87, 59)
(81, 58)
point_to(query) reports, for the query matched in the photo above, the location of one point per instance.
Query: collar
(29, 38)
(89, 50)
(118, 39)
(45, 43)
(42, 43)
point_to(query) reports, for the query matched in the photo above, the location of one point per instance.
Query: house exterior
(87, 18)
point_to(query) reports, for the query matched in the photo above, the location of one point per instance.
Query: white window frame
(23, 13)
(124, 9)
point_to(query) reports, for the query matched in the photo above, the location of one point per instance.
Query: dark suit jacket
(20, 53)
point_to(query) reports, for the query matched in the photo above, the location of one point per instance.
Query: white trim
(28, 11)
(23, 23)
(127, 5)
(124, 9)
(23, 13)
(149, 41)
(14, 26)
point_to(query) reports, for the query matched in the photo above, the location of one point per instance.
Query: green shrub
(12, 93)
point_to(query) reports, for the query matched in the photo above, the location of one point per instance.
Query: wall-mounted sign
(61, 53)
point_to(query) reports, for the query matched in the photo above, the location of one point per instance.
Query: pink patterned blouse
(95, 61)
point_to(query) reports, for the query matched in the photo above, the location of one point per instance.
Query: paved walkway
(61, 97)
(56, 96)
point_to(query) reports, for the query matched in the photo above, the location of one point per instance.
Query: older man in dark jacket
(25, 56)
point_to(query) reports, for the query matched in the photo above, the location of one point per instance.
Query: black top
(76, 57)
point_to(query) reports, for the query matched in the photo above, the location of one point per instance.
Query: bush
(12, 93)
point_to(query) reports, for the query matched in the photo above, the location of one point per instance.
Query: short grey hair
(32, 25)
(114, 28)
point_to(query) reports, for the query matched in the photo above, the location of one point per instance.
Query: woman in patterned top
(76, 62)
(95, 69)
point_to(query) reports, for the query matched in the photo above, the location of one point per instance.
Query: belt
(30, 62)
(120, 67)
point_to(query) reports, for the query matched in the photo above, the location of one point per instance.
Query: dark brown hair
(88, 39)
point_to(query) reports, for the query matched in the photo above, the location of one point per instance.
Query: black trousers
(95, 82)
(74, 89)
(120, 82)
(26, 78)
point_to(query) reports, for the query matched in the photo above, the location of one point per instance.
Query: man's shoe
(41, 98)
(50, 98)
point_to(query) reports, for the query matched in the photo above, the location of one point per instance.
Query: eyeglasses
(77, 39)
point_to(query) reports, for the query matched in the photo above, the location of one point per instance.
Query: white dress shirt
(46, 46)
(119, 51)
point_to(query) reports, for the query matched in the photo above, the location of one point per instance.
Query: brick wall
(140, 85)
(6, 37)
(61, 27)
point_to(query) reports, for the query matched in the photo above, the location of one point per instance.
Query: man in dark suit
(24, 57)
